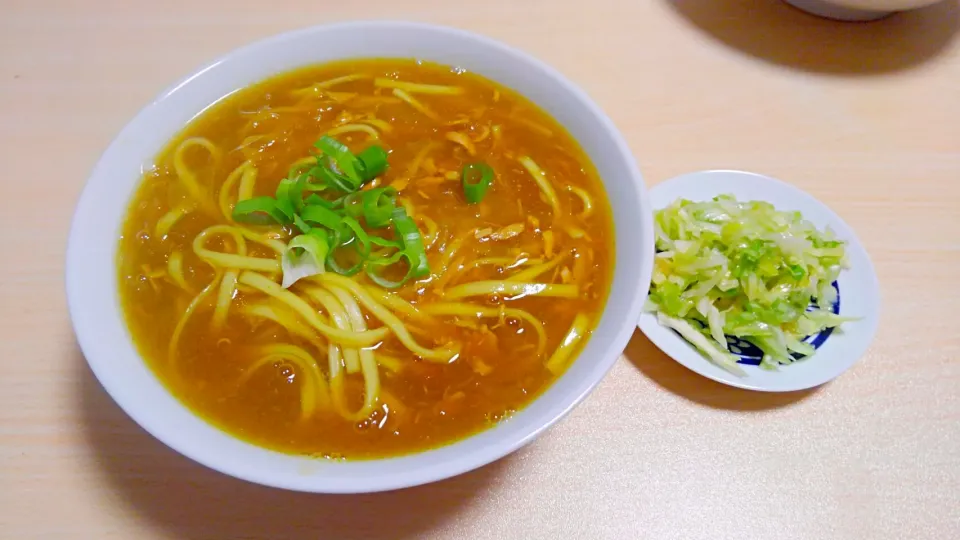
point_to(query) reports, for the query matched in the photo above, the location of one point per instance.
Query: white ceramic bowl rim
(91, 278)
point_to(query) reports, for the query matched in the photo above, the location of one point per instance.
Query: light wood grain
(865, 117)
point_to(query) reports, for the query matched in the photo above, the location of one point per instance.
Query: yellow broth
(421, 404)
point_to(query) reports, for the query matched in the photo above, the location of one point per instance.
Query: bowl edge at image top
(91, 276)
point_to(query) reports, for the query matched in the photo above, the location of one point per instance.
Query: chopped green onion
(476, 179)
(361, 236)
(304, 256)
(346, 163)
(297, 170)
(410, 246)
(334, 265)
(295, 192)
(331, 228)
(310, 187)
(353, 205)
(334, 179)
(301, 224)
(383, 242)
(409, 236)
(348, 271)
(316, 200)
(321, 215)
(374, 267)
(259, 211)
(284, 198)
(378, 205)
(373, 162)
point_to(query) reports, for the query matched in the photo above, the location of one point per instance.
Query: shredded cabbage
(744, 269)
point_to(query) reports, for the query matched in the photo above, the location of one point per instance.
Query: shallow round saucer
(859, 291)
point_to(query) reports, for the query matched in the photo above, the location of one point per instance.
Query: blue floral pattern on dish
(751, 355)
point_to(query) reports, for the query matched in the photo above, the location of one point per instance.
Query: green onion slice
(348, 271)
(286, 191)
(316, 242)
(339, 246)
(476, 179)
(409, 236)
(306, 186)
(316, 214)
(353, 205)
(416, 267)
(316, 200)
(301, 224)
(375, 268)
(360, 235)
(334, 179)
(373, 162)
(298, 170)
(296, 191)
(259, 211)
(384, 243)
(346, 163)
(304, 256)
(378, 205)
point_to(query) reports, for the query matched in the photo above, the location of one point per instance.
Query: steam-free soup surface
(230, 343)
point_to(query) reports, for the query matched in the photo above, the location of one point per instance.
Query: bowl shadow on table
(775, 32)
(670, 375)
(188, 501)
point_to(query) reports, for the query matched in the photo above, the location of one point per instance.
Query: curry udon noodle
(365, 259)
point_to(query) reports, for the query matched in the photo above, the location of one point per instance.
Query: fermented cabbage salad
(744, 269)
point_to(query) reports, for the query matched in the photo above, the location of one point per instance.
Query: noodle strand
(390, 321)
(356, 339)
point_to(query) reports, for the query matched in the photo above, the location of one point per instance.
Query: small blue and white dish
(858, 292)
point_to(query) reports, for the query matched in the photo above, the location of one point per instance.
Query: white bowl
(857, 288)
(858, 10)
(92, 253)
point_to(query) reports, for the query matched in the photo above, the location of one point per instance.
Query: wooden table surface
(865, 117)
